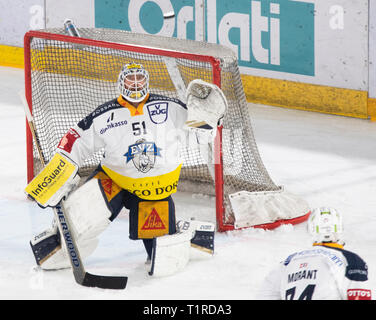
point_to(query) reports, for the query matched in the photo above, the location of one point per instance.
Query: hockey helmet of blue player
(325, 225)
(133, 82)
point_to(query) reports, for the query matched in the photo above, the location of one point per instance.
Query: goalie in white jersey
(324, 272)
(140, 133)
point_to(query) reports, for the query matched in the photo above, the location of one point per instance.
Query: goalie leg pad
(170, 254)
(87, 211)
(89, 215)
(48, 252)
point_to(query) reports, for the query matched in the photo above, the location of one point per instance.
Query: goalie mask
(325, 225)
(133, 82)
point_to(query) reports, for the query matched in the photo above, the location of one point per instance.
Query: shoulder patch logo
(158, 112)
(66, 142)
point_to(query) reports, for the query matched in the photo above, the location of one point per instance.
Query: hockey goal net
(67, 77)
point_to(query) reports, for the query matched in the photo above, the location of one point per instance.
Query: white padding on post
(255, 208)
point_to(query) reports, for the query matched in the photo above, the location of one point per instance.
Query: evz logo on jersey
(143, 154)
(158, 112)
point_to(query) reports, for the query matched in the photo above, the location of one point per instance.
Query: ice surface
(328, 160)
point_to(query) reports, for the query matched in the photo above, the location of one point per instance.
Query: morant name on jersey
(304, 274)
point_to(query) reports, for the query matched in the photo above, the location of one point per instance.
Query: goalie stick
(80, 275)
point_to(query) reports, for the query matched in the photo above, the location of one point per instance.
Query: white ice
(328, 160)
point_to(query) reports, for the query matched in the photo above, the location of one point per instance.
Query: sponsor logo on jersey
(362, 272)
(143, 154)
(149, 187)
(66, 143)
(330, 254)
(111, 124)
(87, 122)
(359, 294)
(160, 192)
(158, 112)
(110, 188)
(153, 219)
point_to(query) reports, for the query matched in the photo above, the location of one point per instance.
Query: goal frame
(216, 79)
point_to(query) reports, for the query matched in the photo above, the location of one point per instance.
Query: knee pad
(87, 211)
(88, 214)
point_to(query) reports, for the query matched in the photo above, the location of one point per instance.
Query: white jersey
(141, 145)
(319, 273)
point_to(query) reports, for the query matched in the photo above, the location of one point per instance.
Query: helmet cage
(133, 82)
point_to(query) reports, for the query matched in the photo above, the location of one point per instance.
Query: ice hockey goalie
(140, 134)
